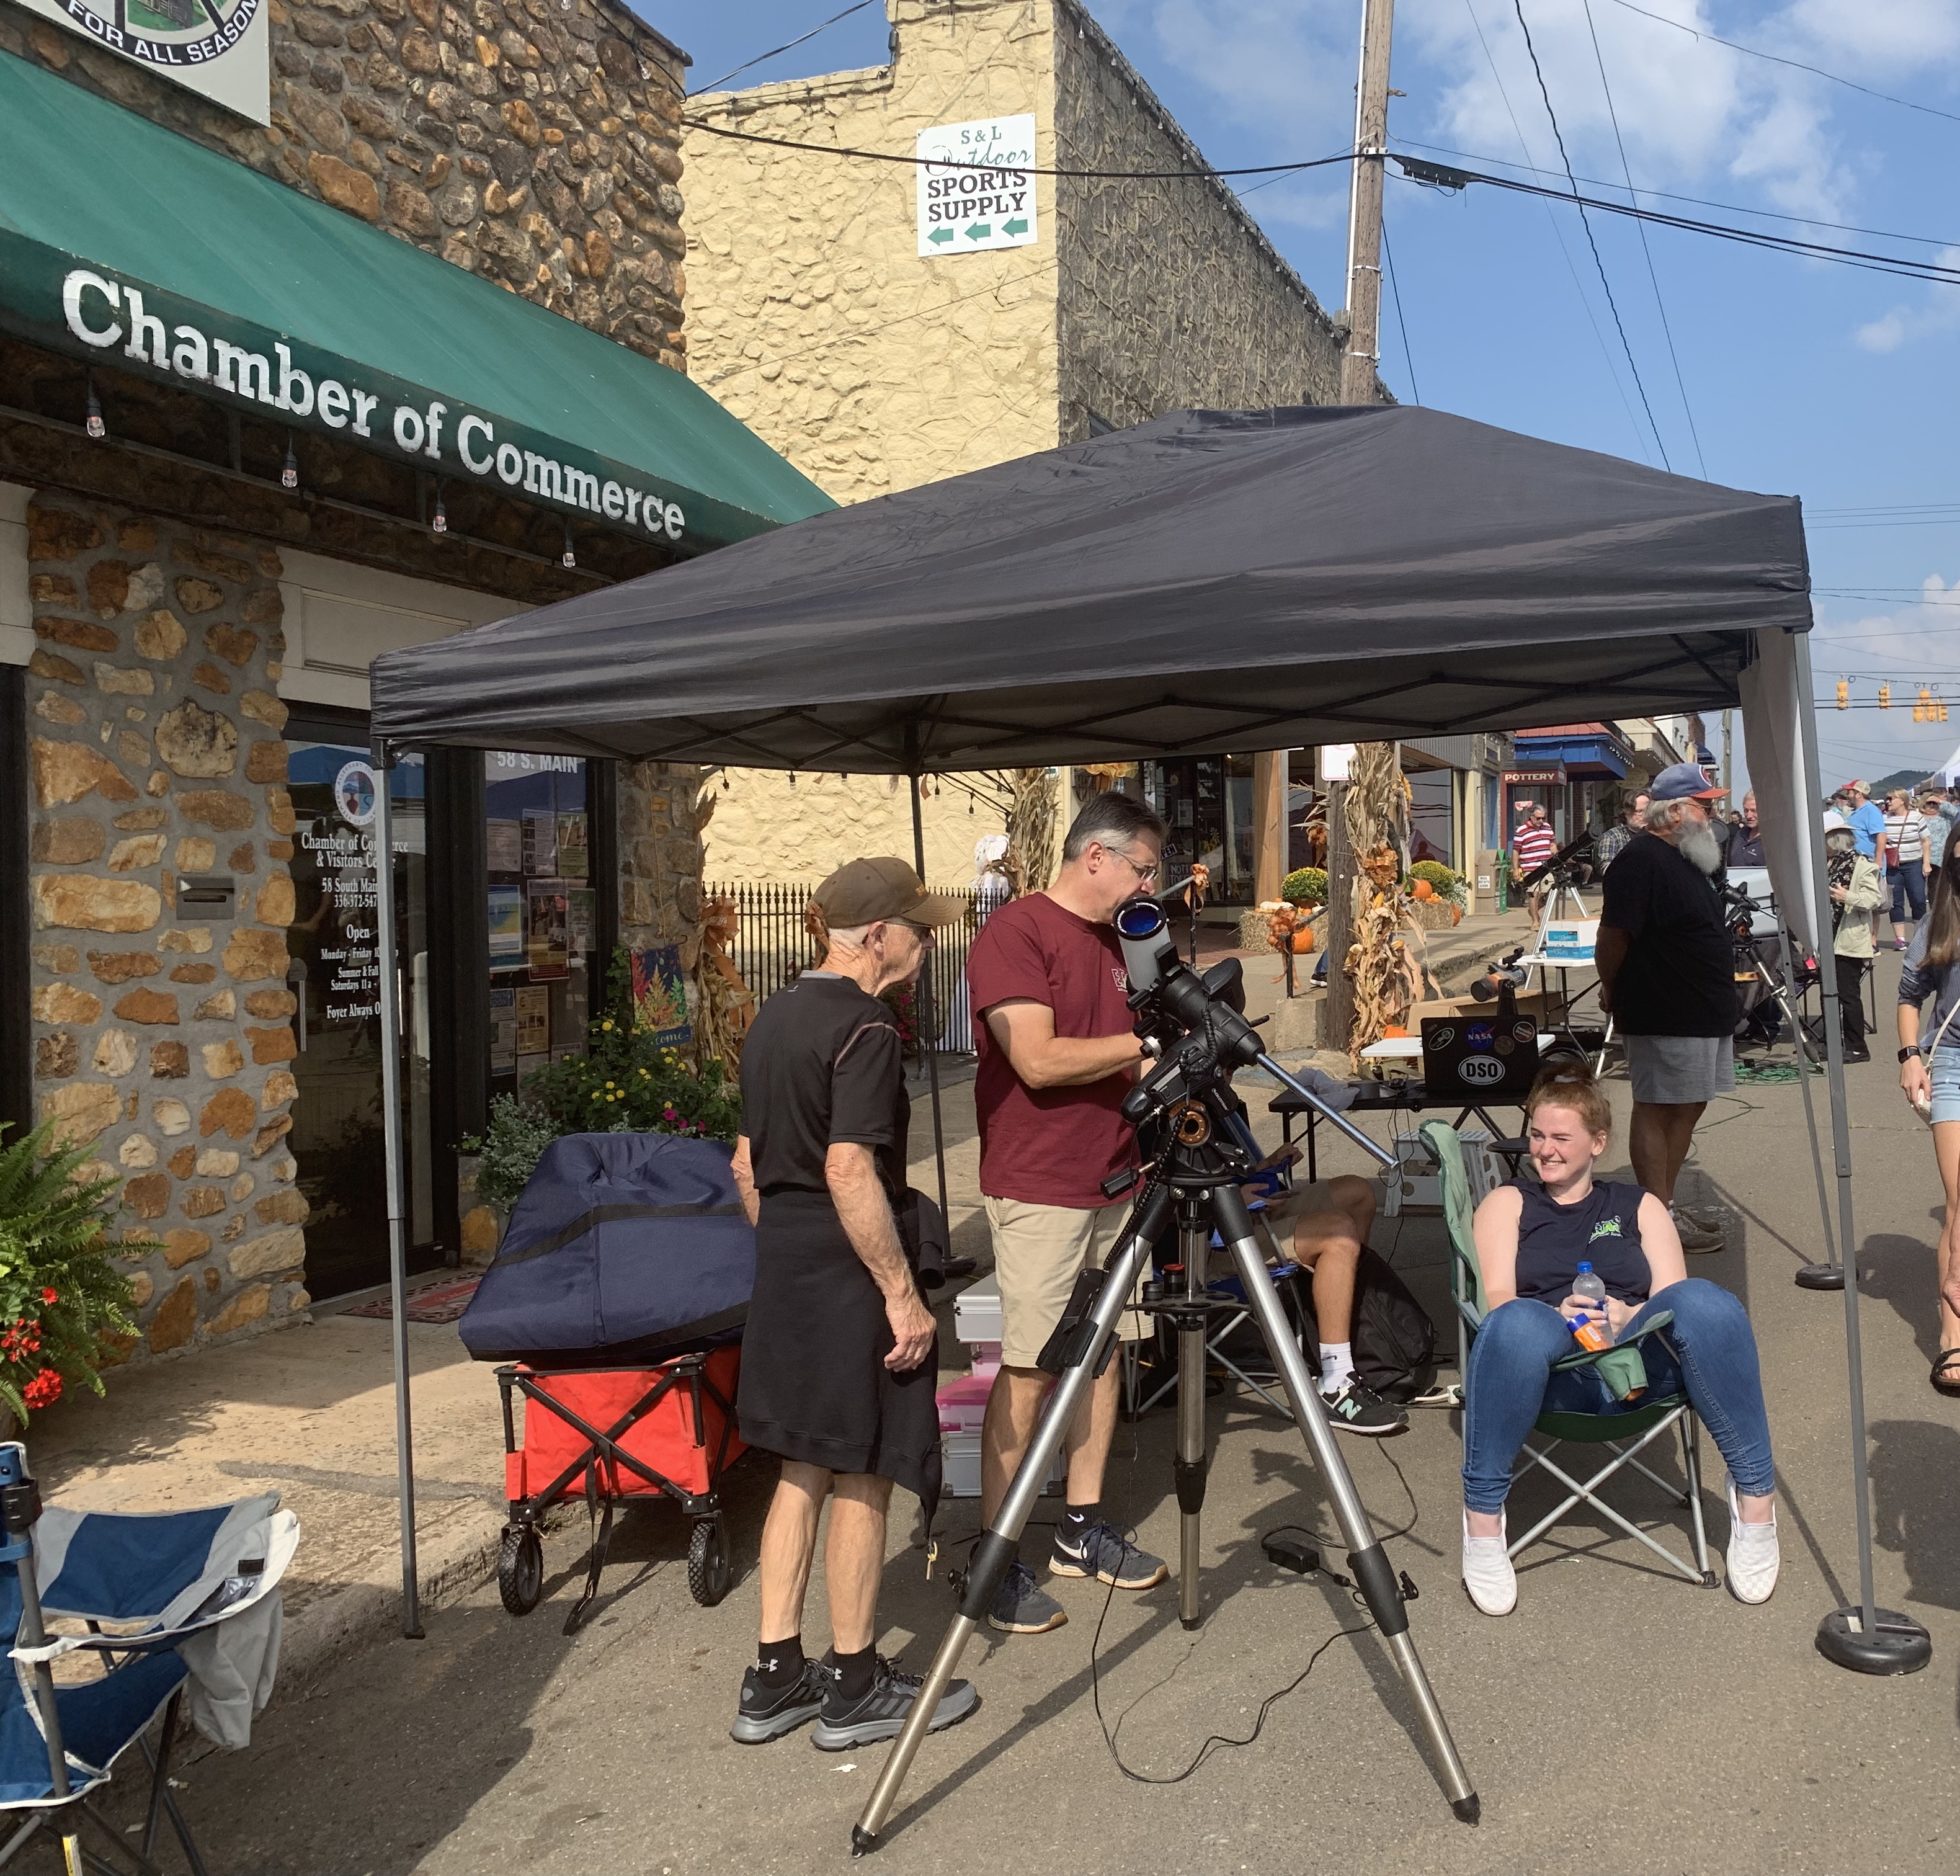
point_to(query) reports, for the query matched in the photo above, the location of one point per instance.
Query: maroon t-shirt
(1049, 1146)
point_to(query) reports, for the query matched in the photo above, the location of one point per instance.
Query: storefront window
(543, 911)
(1432, 815)
(1209, 813)
(335, 977)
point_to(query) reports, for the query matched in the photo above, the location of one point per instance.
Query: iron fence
(771, 948)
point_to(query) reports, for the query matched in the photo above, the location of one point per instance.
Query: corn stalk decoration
(721, 1006)
(1385, 961)
(1029, 862)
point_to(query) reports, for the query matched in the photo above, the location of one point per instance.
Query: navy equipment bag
(625, 1247)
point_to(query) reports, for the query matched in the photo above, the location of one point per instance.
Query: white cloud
(1936, 314)
(1890, 38)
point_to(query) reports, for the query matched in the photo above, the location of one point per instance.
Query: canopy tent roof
(1213, 580)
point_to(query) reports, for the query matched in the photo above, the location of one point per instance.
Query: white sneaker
(1753, 1556)
(1695, 1235)
(1487, 1572)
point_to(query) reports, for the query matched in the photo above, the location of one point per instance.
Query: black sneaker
(1102, 1552)
(767, 1714)
(1022, 1606)
(881, 1714)
(1357, 1408)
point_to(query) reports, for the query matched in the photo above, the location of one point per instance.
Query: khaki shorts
(1039, 1251)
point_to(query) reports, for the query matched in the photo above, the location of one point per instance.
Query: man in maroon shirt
(1057, 1054)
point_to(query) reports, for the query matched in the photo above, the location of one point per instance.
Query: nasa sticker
(357, 794)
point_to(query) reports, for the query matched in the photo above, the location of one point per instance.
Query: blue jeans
(1708, 1352)
(1908, 892)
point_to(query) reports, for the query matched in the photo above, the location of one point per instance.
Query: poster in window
(573, 846)
(503, 846)
(547, 938)
(503, 1031)
(660, 996)
(506, 928)
(540, 843)
(583, 904)
(533, 1020)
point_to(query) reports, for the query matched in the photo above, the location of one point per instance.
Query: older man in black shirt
(1667, 975)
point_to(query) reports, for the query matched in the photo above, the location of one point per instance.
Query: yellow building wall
(813, 318)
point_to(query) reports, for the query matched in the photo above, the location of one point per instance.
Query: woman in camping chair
(1531, 1238)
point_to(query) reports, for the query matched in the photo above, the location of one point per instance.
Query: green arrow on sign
(979, 230)
(1018, 225)
(939, 236)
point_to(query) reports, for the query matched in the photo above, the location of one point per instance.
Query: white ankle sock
(1336, 1364)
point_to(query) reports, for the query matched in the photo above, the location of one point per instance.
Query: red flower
(44, 1390)
(50, 1296)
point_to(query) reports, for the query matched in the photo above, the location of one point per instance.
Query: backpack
(1393, 1339)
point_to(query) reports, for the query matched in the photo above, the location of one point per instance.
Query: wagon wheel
(708, 1575)
(520, 1568)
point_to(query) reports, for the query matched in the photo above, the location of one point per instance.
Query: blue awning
(1585, 757)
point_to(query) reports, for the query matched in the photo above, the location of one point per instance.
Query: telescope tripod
(1200, 1200)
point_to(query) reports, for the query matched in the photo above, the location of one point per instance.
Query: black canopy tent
(1209, 581)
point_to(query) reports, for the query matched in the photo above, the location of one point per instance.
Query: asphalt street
(1622, 1719)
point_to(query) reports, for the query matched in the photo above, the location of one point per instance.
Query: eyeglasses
(1145, 874)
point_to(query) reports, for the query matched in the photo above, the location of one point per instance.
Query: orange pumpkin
(1422, 890)
(1456, 914)
(1303, 940)
(1393, 1029)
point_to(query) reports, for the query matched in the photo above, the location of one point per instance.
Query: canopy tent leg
(929, 1017)
(1828, 1275)
(395, 1176)
(1860, 1636)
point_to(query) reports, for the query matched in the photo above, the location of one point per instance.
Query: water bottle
(1588, 1285)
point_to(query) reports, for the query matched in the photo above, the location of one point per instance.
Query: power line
(1660, 304)
(1436, 175)
(763, 58)
(1022, 169)
(1613, 305)
(1558, 233)
(1699, 201)
(1798, 65)
(1395, 294)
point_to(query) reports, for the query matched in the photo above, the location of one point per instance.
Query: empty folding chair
(177, 1608)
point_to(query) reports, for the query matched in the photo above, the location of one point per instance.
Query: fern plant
(62, 1299)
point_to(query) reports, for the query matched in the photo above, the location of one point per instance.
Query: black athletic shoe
(1357, 1408)
(881, 1714)
(765, 1714)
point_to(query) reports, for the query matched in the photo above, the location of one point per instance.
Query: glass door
(335, 975)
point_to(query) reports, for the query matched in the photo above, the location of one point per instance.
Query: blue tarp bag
(625, 1247)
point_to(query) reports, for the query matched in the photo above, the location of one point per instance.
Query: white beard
(1697, 843)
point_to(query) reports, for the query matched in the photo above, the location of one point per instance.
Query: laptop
(1479, 1058)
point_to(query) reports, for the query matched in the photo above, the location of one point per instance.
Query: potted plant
(63, 1302)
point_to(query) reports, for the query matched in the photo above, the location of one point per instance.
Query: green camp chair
(1625, 1435)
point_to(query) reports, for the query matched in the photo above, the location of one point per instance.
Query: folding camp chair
(151, 1593)
(1625, 1434)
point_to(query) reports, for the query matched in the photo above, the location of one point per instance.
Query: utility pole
(1728, 753)
(1359, 372)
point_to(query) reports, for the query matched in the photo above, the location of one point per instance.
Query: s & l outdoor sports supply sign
(976, 187)
(216, 48)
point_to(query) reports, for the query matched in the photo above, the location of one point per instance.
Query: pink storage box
(963, 1402)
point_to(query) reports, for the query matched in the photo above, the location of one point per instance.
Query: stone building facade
(165, 601)
(812, 315)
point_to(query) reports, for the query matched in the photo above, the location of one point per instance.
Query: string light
(96, 428)
(568, 558)
(439, 521)
(289, 475)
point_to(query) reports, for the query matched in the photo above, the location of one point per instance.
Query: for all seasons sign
(975, 186)
(216, 48)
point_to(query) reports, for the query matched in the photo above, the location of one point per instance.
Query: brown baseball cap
(862, 892)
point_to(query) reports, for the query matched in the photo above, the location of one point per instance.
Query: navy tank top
(1603, 1229)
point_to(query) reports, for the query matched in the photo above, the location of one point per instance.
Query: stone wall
(765, 828)
(532, 141)
(155, 747)
(659, 853)
(1168, 295)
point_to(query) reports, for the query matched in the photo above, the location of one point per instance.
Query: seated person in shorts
(1531, 1238)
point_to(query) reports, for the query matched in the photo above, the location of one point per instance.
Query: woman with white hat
(1854, 889)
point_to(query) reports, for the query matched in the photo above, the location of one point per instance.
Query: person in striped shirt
(1906, 856)
(1531, 846)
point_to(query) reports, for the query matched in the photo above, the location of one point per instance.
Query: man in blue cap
(1667, 975)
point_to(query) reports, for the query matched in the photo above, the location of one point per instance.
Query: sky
(1760, 370)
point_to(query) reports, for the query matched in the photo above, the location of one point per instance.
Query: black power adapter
(1289, 1553)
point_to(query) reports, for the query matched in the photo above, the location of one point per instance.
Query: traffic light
(1885, 696)
(1844, 693)
(1925, 712)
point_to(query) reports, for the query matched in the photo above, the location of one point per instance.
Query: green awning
(127, 244)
